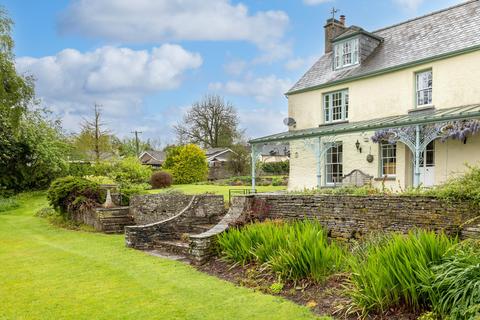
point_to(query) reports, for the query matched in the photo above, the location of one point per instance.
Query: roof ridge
(426, 15)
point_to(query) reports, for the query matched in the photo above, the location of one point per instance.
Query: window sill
(327, 124)
(391, 178)
(427, 107)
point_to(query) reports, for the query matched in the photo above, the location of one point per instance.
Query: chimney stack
(333, 28)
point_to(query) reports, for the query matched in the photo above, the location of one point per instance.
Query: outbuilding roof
(433, 36)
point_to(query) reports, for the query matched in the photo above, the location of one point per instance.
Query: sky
(146, 61)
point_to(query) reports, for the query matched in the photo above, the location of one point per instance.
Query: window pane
(424, 87)
(389, 159)
(333, 165)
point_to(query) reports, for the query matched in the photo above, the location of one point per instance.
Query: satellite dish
(289, 122)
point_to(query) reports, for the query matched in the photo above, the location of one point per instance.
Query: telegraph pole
(137, 144)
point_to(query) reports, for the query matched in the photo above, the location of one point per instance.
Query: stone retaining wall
(199, 210)
(108, 220)
(152, 208)
(348, 217)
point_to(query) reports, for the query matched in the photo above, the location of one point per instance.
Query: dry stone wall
(349, 217)
(152, 208)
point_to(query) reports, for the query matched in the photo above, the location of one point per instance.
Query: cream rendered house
(399, 105)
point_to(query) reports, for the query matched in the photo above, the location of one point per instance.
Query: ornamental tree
(188, 164)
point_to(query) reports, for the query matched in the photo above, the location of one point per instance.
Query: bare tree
(94, 138)
(211, 122)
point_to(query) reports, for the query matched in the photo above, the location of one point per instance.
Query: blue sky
(146, 61)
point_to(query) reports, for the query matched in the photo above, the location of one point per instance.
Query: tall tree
(94, 140)
(16, 91)
(211, 122)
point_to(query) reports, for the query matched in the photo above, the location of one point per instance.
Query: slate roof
(158, 155)
(436, 34)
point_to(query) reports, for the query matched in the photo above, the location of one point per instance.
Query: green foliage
(276, 287)
(130, 171)
(128, 147)
(36, 154)
(188, 164)
(100, 179)
(160, 180)
(80, 169)
(464, 188)
(392, 270)
(73, 193)
(276, 168)
(294, 250)
(16, 91)
(8, 204)
(129, 190)
(240, 162)
(366, 190)
(455, 289)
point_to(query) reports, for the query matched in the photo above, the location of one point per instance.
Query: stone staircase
(180, 246)
(113, 220)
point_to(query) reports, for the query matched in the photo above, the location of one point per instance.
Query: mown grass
(52, 273)
(7, 204)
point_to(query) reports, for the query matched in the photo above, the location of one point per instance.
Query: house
(217, 157)
(153, 158)
(275, 153)
(399, 106)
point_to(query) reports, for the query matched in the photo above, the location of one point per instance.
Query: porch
(396, 151)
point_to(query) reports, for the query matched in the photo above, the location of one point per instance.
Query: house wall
(394, 93)
(387, 95)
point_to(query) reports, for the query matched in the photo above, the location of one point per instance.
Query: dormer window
(346, 53)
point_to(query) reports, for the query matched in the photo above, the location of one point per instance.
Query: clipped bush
(392, 271)
(455, 288)
(73, 193)
(188, 164)
(160, 180)
(293, 250)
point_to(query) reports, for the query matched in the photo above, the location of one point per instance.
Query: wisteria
(459, 130)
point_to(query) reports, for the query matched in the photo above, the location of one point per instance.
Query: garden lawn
(52, 273)
(210, 188)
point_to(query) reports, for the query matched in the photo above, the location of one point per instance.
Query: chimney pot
(342, 19)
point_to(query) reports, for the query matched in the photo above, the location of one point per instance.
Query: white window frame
(424, 88)
(330, 163)
(346, 53)
(339, 112)
(391, 150)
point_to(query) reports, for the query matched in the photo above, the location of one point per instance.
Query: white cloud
(154, 21)
(263, 121)
(263, 89)
(236, 67)
(411, 5)
(315, 2)
(70, 82)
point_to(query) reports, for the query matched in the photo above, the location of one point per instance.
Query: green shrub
(160, 180)
(293, 250)
(73, 193)
(276, 168)
(80, 169)
(464, 188)
(392, 270)
(100, 179)
(129, 190)
(130, 171)
(455, 289)
(277, 181)
(7, 204)
(188, 164)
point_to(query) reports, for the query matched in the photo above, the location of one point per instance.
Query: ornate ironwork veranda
(416, 130)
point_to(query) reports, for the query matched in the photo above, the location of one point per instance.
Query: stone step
(201, 228)
(172, 246)
(116, 224)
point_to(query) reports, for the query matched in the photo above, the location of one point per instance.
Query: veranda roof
(416, 117)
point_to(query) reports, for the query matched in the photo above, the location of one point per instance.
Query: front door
(427, 166)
